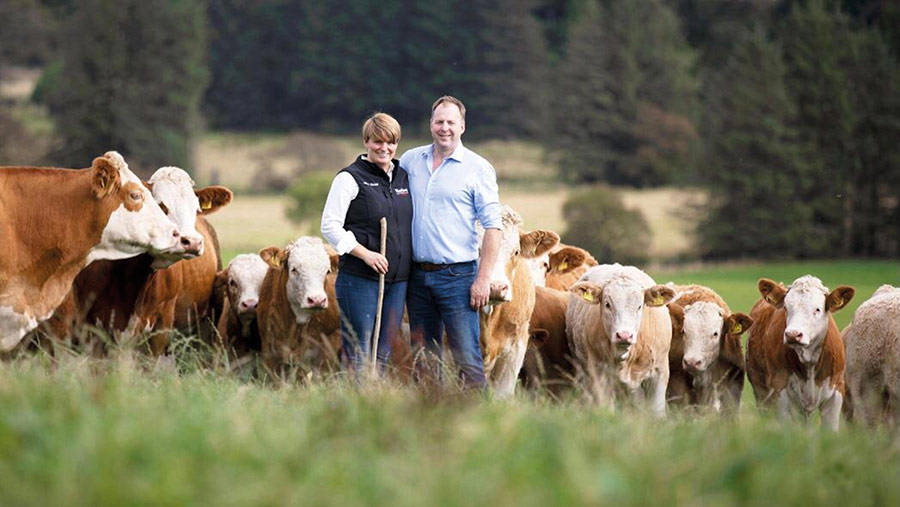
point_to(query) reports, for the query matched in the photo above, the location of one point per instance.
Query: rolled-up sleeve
(487, 198)
(343, 190)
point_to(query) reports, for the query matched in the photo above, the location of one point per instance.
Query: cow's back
(766, 365)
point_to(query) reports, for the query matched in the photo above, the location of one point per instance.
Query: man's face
(447, 126)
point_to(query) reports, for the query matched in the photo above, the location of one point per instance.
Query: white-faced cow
(241, 281)
(872, 343)
(54, 222)
(706, 362)
(504, 324)
(620, 331)
(142, 291)
(795, 356)
(297, 312)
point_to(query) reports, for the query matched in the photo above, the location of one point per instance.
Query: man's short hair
(449, 99)
(381, 127)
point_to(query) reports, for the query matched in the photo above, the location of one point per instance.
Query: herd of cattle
(99, 248)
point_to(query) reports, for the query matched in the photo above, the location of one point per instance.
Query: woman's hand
(372, 259)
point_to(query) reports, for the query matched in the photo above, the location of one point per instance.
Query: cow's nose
(247, 305)
(793, 336)
(499, 291)
(623, 337)
(317, 301)
(691, 364)
(192, 245)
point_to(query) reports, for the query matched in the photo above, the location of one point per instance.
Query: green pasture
(126, 431)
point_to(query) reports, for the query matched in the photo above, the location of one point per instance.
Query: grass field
(119, 432)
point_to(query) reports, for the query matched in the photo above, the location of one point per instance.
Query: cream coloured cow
(504, 324)
(619, 332)
(297, 312)
(795, 356)
(872, 344)
(241, 281)
(54, 222)
(706, 362)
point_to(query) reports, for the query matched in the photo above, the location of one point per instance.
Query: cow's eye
(516, 252)
(818, 310)
(295, 271)
(135, 196)
(716, 334)
(608, 306)
(163, 207)
(232, 283)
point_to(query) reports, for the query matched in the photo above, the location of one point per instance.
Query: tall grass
(125, 430)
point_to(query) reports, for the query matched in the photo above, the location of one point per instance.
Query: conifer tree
(755, 165)
(134, 75)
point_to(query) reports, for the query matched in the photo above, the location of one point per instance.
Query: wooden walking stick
(377, 330)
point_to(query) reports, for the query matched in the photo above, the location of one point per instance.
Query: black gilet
(380, 197)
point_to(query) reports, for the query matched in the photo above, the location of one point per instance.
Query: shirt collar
(390, 172)
(458, 154)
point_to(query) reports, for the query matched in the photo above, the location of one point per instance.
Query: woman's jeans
(439, 300)
(357, 298)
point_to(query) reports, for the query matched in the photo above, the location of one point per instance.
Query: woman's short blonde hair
(381, 127)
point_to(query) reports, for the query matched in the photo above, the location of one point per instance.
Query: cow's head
(513, 247)
(173, 190)
(622, 301)
(136, 223)
(307, 263)
(704, 329)
(243, 279)
(808, 305)
(560, 262)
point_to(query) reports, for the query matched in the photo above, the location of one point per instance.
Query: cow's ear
(212, 198)
(333, 257)
(676, 313)
(538, 336)
(220, 282)
(772, 292)
(537, 243)
(737, 324)
(659, 295)
(588, 292)
(839, 298)
(567, 259)
(105, 177)
(273, 256)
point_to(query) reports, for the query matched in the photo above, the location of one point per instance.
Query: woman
(372, 187)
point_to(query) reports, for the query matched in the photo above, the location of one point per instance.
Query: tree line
(786, 111)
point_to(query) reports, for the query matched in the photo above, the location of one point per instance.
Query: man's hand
(480, 292)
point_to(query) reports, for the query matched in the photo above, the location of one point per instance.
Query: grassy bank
(117, 432)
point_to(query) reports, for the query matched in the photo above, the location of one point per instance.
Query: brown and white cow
(298, 315)
(872, 344)
(562, 266)
(241, 281)
(54, 222)
(706, 362)
(548, 360)
(141, 292)
(504, 324)
(795, 356)
(620, 332)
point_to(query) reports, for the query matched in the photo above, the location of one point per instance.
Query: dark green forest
(786, 112)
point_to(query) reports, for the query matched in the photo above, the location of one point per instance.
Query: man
(451, 188)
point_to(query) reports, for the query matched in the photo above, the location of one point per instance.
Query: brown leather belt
(427, 266)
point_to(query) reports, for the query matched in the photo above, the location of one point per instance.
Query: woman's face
(380, 152)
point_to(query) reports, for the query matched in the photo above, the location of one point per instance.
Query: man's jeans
(358, 298)
(438, 300)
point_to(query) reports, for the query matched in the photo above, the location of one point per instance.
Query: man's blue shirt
(448, 201)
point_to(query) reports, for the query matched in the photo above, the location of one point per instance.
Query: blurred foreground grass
(80, 431)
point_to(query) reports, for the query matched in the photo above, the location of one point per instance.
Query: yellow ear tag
(273, 262)
(737, 329)
(206, 205)
(587, 296)
(658, 301)
(562, 266)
